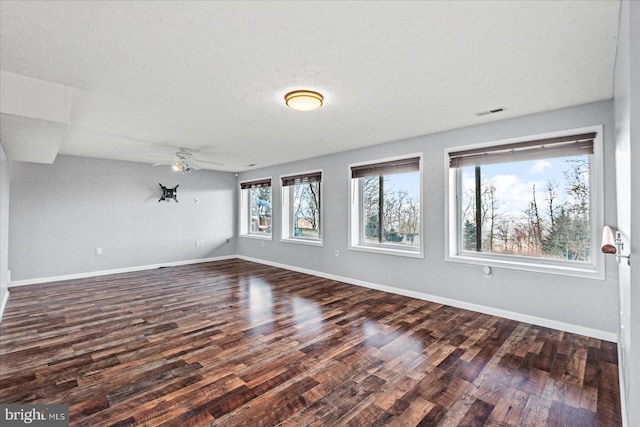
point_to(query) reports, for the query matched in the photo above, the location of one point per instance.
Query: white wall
(4, 228)
(627, 122)
(61, 213)
(585, 303)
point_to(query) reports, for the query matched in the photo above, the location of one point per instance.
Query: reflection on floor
(236, 343)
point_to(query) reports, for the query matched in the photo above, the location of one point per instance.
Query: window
(256, 208)
(302, 207)
(527, 204)
(386, 206)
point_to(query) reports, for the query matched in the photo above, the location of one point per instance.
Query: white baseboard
(4, 304)
(567, 327)
(115, 271)
(547, 323)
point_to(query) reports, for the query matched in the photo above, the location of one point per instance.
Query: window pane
(370, 211)
(306, 210)
(536, 208)
(391, 209)
(260, 210)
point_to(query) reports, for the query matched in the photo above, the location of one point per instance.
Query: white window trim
(244, 212)
(354, 217)
(257, 236)
(593, 270)
(285, 196)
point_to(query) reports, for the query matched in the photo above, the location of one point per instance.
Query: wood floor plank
(235, 343)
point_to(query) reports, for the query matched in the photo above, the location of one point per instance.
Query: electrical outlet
(488, 272)
(337, 253)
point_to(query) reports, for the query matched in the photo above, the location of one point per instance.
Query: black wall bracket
(169, 193)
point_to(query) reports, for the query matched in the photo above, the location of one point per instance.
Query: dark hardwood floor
(236, 343)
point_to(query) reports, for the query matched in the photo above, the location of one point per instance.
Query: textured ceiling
(144, 78)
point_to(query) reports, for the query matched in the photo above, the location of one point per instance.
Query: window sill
(308, 242)
(585, 271)
(387, 251)
(257, 236)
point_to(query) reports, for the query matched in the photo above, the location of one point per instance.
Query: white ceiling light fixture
(183, 166)
(304, 100)
(184, 161)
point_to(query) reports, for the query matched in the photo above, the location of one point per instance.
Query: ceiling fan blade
(168, 163)
(210, 162)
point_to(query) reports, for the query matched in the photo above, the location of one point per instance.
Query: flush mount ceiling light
(303, 100)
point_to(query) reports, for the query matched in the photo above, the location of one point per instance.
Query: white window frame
(287, 234)
(594, 269)
(245, 211)
(355, 214)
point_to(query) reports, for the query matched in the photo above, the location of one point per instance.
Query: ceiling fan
(186, 162)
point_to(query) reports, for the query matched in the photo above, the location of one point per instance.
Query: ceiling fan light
(303, 100)
(177, 166)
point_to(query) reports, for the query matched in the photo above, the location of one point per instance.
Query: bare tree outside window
(306, 210)
(260, 210)
(531, 208)
(391, 210)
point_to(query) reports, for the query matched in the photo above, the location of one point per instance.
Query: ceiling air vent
(486, 113)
